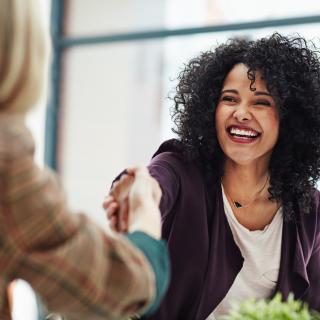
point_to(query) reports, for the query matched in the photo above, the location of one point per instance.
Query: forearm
(91, 276)
(157, 254)
(76, 268)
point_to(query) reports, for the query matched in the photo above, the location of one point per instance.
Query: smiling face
(247, 122)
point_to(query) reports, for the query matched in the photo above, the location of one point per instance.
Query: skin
(247, 160)
(133, 203)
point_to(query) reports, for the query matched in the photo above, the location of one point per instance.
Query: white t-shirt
(261, 250)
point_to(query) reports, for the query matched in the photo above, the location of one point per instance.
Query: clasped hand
(133, 203)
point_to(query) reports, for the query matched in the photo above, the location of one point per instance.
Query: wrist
(146, 218)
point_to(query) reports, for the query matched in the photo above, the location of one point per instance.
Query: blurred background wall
(107, 104)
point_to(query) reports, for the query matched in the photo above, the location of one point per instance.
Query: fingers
(113, 222)
(110, 205)
(116, 204)
(123, 216)
(144, 185)
(111, 208)
(121, 188)
(133, 189)
(107, 201)
(138, 170)
(144, 213)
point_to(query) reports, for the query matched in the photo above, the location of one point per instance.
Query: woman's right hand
(133, 203)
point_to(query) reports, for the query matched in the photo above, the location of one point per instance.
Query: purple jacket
(204, 257)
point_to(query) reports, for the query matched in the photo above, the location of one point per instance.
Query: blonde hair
(23, 55)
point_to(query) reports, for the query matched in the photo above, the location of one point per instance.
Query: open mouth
(243, 133)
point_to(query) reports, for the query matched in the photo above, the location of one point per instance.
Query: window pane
(111, 110)
(180, 13)
(96, 17)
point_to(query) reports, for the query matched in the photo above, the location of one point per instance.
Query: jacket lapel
(293, 275)
(224, 258)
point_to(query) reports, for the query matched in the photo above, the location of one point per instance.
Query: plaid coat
(77, 269)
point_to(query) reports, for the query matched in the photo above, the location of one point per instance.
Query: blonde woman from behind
(77, 269)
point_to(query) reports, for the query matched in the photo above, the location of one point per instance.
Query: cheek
(274, 115)
(220, 117)
(273, 124)
(275, 121)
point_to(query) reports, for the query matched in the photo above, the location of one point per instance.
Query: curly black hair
(290, 66)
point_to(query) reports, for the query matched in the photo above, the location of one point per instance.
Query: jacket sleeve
(314, 280)
(313, 267)
(77, 269)
(162, 168)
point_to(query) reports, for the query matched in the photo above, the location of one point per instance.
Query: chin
(245, 158)
(243, 161)
(240, 156)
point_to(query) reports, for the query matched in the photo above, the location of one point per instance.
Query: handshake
(133, 203)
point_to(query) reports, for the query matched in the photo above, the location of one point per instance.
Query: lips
(242, 134)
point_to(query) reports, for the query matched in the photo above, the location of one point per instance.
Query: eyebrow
(262, 93)
(230, 91)
(256, 93)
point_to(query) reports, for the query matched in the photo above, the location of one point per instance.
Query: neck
(244, 181)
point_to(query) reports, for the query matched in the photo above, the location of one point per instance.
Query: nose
(242, 113)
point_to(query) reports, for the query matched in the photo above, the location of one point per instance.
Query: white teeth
(241, 132)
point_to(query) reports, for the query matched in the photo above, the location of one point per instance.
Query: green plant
(274, 309)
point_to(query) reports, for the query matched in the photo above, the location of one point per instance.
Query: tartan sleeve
(78, 269)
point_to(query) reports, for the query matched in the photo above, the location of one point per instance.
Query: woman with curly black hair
(240, 210)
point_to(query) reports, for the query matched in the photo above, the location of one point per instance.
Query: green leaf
(274, 309)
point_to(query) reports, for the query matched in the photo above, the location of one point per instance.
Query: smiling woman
(247, 120)
(239, 206)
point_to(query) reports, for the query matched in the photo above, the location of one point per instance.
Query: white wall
(111, 99)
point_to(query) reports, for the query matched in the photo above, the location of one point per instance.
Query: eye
(228, 99)
(263, 103)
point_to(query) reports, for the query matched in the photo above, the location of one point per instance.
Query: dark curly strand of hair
(291, 70)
